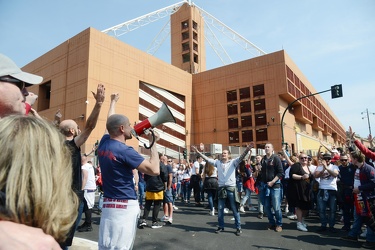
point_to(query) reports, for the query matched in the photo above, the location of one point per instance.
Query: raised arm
(368, 153)
(330, 151)
(248, 148)
(203, 156)
(286, 156)
(93, 118)
(112, 107)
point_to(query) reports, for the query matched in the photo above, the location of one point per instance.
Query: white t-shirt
(195, 168)
(357, 182)
(91, 183)
(327, 181)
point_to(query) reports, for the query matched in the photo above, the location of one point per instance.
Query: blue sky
(332, 42)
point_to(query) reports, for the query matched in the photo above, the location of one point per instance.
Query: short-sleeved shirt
(117, 161)
(327, 181)
(91, 183)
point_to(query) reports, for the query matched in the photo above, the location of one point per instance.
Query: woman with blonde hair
(35, 176)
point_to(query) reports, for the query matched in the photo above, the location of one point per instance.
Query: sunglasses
(18, 83)
(309, 159)
(343, 159)
(303, 158)
(327, 159)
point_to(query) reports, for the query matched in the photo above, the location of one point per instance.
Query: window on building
(195, 25)
(232, 123)
(186, 57)
(246, 121)
(259, 104)
(185, 35)
(260, 119)
(195, 58)
(247, 136)
(185, 47)
(261, 134)
(44, 96)
(258, 90)
(195, 47)
(232, 109)
(231, 95)
(185, 24)
(245, 93)
(245, 107)
(195, 36)
(234, 137)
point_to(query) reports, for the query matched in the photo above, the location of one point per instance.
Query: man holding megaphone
(118, 164)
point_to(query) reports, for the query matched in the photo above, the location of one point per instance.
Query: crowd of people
(46, 183)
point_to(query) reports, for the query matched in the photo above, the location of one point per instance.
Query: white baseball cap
(9, 68)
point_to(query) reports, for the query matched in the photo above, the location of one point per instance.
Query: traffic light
(185, 154)
(336, 91)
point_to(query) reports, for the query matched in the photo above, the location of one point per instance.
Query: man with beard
(75, 138)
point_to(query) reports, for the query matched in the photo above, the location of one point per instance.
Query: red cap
(335, 158)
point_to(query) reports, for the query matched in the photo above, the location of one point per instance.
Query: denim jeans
(247, 198)
(141, 192)
(211, 193)
(186, 191)
(356, 228)
(232, 202)
(273, 200)
(322, 206)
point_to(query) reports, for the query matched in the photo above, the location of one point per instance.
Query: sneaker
(349, 238)
(212, 212)
(278, 229)
(242, 210)
(301, 227)
(226, 210)
(260, 215)
(155, 225)
(164, 218)
(170, 220)
(363, 234)
(368, 245)
(175, 208)
(252, 209)
(142, 224)
(271, 227)
(321, 229)
(86, 228)
(219, 230)
(82, 226)
(292, 217)
(238, 232)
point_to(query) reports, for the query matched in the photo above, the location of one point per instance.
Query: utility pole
(368, 120)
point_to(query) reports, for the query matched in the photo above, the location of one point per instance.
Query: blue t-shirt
(117, 161)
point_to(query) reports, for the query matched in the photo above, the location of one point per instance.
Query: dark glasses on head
(9, 79)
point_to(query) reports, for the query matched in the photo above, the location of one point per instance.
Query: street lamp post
(336, 92)
(368, 120)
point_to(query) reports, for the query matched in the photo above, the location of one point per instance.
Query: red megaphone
(163, 115)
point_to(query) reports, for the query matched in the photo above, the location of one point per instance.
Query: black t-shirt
(76, 165)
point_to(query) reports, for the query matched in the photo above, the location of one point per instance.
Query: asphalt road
(193, 228)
